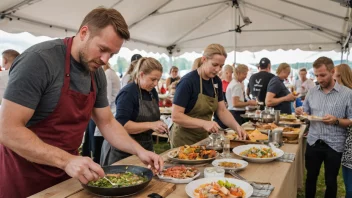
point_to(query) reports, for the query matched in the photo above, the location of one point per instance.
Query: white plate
(315, 118)
(173, 152)
(243, 163)
(178, 181)
(248, 189)
(237, 150)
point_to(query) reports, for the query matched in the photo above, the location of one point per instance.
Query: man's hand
(329, 119)
(154, 161)
(290, 97)
(159, 126)
(242, 135)
(83, 169)
(252, 102)
(211, 126)
(299, 111)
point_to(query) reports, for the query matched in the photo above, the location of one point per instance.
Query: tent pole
(316, 10)
(189, 8)
(207, 19)
(283, 16)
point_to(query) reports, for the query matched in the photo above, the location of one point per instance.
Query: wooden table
(285, 177)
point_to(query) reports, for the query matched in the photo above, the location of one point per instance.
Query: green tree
(182, 63)
(165, 63)
(121, 65)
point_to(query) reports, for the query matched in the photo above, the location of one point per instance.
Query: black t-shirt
(127, 102)
(37, 76)
(188, 88)
(258, 84)
(277, 87)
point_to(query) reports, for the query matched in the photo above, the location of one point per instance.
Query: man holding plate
(326, 137)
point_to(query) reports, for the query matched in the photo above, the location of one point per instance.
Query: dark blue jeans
(347, 177)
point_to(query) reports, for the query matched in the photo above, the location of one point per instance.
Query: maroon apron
(63, 128)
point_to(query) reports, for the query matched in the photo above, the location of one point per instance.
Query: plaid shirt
(338, 102)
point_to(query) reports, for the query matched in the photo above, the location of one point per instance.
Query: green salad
(121, 179)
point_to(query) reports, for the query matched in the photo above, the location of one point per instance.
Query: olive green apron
(203, 109)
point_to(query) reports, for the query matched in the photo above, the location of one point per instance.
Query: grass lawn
(163, 146)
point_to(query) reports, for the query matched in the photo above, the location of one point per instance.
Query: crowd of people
(57, 90)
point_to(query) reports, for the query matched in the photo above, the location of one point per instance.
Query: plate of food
(192, 154)
(288, 117)
(258, 153)
(315, 118)
(129, 179)
(179, 174)
(294, 123)
(230, 164)
(219, 187)
(248, 126)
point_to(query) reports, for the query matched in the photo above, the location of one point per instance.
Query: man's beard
(85, 62)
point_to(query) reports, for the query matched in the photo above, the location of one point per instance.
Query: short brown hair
(303, 69)
(324, 61)
(282, 67)
(101, 17)
(146, 65)
(173, 68)
(10, 54)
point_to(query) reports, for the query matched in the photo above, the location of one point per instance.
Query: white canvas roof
(190, 25)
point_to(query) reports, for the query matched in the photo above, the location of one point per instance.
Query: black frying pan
(122, 191)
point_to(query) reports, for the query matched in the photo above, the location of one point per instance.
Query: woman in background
(343, 75)
(278, 96)
(113, 87)
(173, 77)
(137, 109)
(235, 94)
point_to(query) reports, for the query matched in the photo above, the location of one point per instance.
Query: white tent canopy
(190, 25)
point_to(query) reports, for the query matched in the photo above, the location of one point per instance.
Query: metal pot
(276, 136)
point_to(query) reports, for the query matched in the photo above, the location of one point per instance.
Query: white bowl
(242, 162)
(248, 189)
(239, 149)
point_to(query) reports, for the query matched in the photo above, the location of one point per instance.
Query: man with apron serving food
(54, 88)
(198, 96)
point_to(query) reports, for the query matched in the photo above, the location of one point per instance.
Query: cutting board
(155, 186)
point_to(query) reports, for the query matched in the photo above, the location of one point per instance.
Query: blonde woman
(137, 109)
(278, 96)
(198, 96)
(235, 94)
(196, 63)
(343, 75)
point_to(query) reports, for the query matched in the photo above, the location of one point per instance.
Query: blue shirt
(127, 104)
(277, 87)
(337, 103)
(188, 88)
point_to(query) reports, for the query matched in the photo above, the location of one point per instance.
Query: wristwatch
(337, 122)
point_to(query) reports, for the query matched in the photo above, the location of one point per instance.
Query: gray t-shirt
(37, 76)
(277, 87)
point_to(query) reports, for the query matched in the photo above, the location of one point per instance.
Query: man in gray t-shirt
(54, 88)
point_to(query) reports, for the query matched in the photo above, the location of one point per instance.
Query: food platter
(227, 163)
(239, 149)
(177, 155)
(192, 186)
(179, 174)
